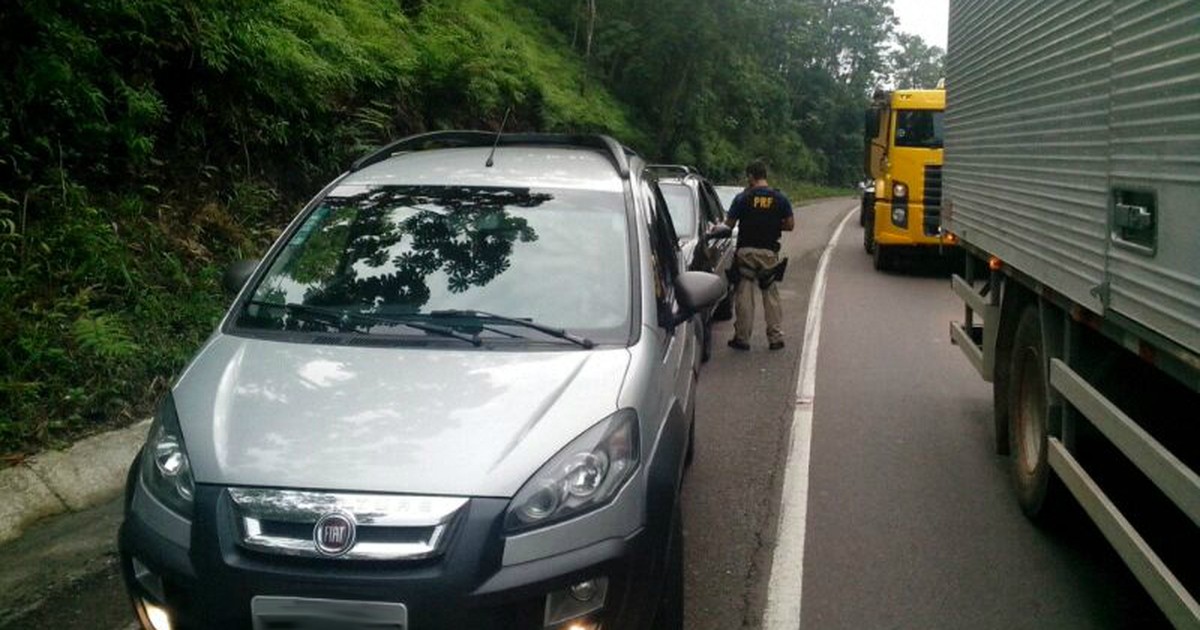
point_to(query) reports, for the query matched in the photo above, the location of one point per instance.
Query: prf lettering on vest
(763, 203)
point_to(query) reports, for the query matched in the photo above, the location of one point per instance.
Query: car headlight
(581, 477)
(900, 216)
(166, 471)
(899, 189)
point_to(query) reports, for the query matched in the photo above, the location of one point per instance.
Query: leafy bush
(144, 144)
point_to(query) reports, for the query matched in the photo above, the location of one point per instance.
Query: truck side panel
(1073, 150)
(1156, 149)
(1027, 153)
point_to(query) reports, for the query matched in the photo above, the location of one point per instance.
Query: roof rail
(618, 153)
(676, 168)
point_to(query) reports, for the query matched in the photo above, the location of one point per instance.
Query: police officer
(763, 214)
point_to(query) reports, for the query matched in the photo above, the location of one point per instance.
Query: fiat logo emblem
(334, 534)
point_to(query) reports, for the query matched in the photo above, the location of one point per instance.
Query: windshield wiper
(312, 313)
(342, 320)
(549, 330)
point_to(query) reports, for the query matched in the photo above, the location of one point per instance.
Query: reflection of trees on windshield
(467, 233)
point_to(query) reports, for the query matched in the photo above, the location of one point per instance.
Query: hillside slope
(144, 144)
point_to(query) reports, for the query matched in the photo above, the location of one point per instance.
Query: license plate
(299, 613)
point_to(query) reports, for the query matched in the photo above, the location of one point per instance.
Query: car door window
(664, 250)
(681, 207)
(712, 204)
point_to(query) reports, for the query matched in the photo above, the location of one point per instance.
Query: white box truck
(1072, 180)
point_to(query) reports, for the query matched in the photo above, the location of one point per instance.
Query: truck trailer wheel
(1039, 491)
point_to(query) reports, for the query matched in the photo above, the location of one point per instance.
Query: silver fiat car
(458, 392)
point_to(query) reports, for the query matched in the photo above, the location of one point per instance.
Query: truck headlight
(899, 189)
(166, 471)
(581, 477)
(900, 216)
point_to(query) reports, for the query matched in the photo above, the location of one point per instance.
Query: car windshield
(919, 128)
(555, 257)
(682, 208)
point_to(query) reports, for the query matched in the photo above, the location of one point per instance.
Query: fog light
(899, 217)
(571, 604)
(584, 591)
(159, 619)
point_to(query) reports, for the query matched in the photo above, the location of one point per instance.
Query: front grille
(387, 527)
(933, 200)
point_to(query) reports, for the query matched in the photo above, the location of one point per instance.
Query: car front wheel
(670, 607)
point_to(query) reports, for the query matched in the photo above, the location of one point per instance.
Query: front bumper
(211, 583)
(913, 235)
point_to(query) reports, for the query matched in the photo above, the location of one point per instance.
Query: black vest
(760, 219)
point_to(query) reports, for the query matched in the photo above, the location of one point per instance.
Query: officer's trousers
(750, 261)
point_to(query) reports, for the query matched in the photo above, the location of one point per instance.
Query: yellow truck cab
(903, 154)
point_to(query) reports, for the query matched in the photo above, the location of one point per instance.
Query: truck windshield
(555, 257)
(919, 128)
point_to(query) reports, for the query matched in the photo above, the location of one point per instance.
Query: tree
(720, 81)
(915, 64)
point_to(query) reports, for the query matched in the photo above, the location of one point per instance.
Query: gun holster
(733, 275)
(773, 274)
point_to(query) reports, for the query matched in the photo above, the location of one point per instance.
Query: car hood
(471, 422)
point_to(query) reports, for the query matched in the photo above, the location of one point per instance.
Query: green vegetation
(917, 66)
(717, 81)
(145, 144)
(798, 191)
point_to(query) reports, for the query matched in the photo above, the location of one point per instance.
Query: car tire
(691, 447)
(1040, 493)
(724, 310)
(669, 615)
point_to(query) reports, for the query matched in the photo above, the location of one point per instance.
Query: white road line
(787, 565)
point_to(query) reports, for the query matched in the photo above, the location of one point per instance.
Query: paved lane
(730, 498)
(911, 520)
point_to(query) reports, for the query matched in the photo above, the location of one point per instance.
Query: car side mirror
(237, 274)
(718, 232)
(696, 291)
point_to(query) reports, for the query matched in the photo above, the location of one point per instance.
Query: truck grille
(933, 200)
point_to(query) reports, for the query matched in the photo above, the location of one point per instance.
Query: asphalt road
(743, 417)
(911, 521)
